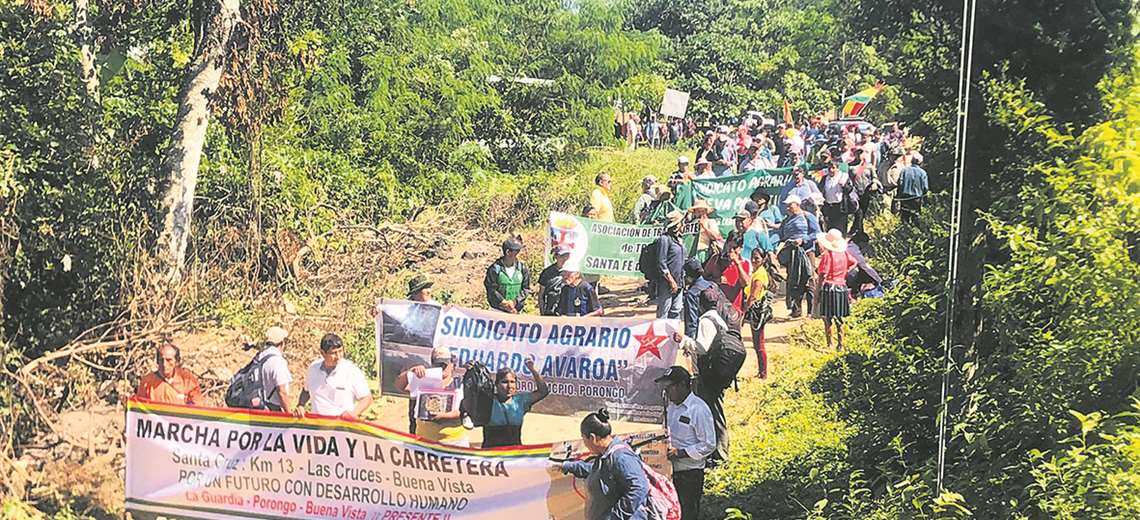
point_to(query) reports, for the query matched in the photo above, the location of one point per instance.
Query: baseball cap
(276, 335)
(674, 374)
(512, 244)
(743, 214)
(693, 267)
(562, 249)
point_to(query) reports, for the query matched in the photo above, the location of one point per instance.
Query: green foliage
(1058, 297)
(737, 56)
(787, 448)
(510, 203)
(72, 223)
(1098, 476)
(372, 111)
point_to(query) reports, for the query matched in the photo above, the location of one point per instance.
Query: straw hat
(832, 241)
(793, 199)
(675, 219)
(701, 204)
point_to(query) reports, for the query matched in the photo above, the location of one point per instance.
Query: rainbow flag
(853, 105)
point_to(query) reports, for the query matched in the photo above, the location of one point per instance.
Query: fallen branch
(151, 334)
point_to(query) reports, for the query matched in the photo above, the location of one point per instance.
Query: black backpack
(246, 389)
(551, 294)
(718, 368)
(647, 261)
(478, 392)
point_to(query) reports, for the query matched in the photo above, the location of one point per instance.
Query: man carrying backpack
(718, 354)
(669, 275)
(263, 384)
(692, 438)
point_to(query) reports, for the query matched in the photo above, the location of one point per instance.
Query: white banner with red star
(587, 362)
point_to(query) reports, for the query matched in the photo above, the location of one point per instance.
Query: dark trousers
(858, 228)
(796, 296)
(908, 210)
(834, 217)
(690, 486)
(714, 398)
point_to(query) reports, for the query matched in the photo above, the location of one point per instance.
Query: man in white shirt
(834, 182)
(336, 386)
(692, 438)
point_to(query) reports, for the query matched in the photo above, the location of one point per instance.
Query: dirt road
(624, 300)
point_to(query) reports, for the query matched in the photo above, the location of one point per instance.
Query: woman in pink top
(834, 302)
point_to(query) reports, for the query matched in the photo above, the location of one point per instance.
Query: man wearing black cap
(692, 438)
(508, 280)
(550, 282)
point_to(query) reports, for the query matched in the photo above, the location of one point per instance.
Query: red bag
(662, 502)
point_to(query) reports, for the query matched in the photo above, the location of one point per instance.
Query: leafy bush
(787, 449)
(1056, 313)
(1098, 476)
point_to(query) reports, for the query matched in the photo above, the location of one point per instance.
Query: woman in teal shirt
(510, 405)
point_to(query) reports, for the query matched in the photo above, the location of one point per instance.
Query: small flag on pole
(854, 105)
(787, 113)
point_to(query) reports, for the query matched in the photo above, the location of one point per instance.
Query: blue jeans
(669, 305)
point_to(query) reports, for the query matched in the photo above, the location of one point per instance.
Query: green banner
(606, 248)
(728, 194)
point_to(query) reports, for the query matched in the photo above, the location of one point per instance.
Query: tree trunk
(84, 36)
(185, 154)
(255, 185)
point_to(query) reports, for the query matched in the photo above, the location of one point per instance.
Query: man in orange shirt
(170, 383)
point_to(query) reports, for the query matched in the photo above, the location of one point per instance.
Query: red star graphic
(650, 343)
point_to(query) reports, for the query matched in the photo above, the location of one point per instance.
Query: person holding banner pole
(510, 406)
(616, 484)
(170, 383)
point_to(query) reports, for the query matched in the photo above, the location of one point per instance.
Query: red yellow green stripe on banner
(315, 422)
(854, 105)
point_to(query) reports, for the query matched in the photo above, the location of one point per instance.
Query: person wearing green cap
(507, 280)
(419, 289)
